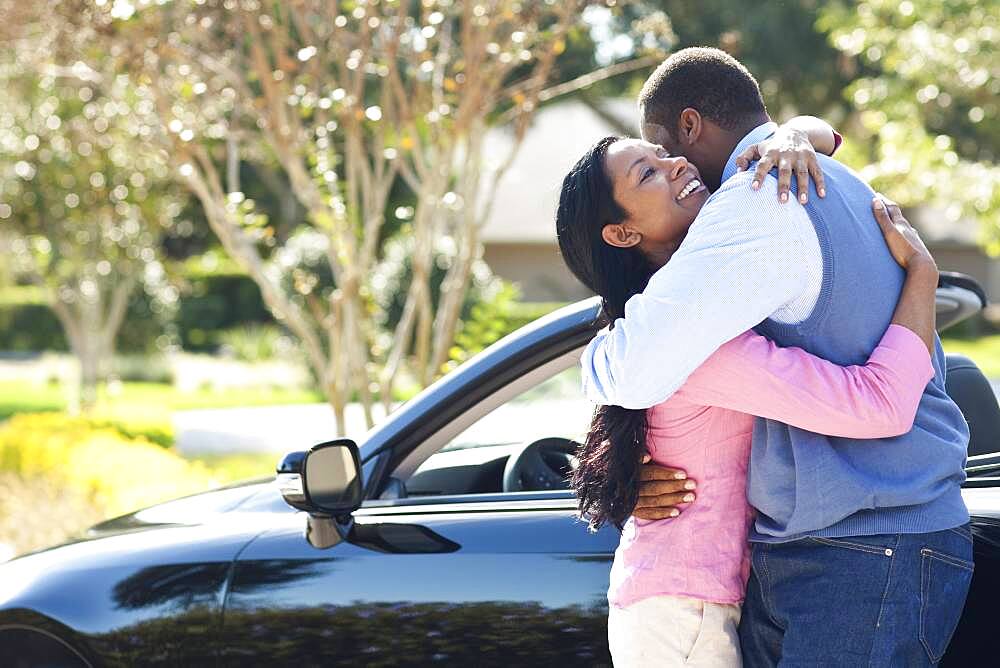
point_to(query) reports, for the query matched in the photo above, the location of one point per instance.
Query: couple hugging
(777, 361)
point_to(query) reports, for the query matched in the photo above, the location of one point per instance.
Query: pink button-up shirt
(705, 429)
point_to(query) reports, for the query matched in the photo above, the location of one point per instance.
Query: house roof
(524, 211)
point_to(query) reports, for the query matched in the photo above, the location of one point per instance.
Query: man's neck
(734, 137)
(725, 143)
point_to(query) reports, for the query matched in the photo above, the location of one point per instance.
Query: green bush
(212, 304)
(160, 434)
(215, 303)
(24, 500)
(256, 342)
(493, 317)
(114, 469)
(75, 472)
(142, 368)
(30, 326)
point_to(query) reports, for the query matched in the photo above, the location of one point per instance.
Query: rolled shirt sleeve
(742, 261)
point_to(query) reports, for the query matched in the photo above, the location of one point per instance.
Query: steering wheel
(540, 465)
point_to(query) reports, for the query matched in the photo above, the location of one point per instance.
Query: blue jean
(889, 600)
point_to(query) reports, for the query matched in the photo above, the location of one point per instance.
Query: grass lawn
(143, 402)
(21, 397)
(984, 351)
(154, 402)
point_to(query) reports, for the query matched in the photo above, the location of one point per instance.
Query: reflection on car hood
(207, 508)
(250, 496)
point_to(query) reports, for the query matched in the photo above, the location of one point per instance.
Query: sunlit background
(233, 229)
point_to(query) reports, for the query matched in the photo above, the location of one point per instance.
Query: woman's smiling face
(661, 194)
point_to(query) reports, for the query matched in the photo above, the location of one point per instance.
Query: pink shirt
(705, 429)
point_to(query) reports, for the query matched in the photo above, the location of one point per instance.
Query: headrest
(970, 389)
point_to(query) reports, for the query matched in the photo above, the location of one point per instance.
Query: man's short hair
(709, 80)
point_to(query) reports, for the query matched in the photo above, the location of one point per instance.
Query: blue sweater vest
(806, 484)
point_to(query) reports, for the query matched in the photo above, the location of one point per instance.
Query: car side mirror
(289, 480)
(331, 478)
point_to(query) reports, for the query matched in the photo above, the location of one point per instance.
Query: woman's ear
(689, 126)
(620, 235)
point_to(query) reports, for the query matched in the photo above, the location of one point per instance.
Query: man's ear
(690, 126)
(620, 235)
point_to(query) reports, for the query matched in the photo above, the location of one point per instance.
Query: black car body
(441, 564)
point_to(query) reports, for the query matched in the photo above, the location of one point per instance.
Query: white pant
(674, 631)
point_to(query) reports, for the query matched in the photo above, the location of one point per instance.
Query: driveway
(275, 429)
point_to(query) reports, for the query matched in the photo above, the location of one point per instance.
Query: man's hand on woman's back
(663, 492)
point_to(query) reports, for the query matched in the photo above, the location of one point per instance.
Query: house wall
(537, 268)
(542, 275)
(969, 260)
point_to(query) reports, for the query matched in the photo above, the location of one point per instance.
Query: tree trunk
(90, 375)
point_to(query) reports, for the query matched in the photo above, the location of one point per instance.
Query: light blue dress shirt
(746, 257)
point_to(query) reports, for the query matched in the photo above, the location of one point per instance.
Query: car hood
(252, 496)
(204, 529)
(208, 509)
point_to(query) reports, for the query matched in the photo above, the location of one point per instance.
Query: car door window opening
(469, 456)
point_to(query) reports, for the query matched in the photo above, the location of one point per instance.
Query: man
(861, 549)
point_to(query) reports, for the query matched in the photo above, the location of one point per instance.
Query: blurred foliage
(928, 118)
(79, 186)
(83, 194)
(68, 473)
(37, 512)
(140, 368)
(488, 321)
(30, 327)
(983, 350)
(913, 84)
(224, 312)
(211, 302)
(27, 325)
(256, 343)
(143, 403)
(799, 71)
(328, 110)
(115, 470)
(214, 302)
(497, 313)
(395, 272)
(239, 466)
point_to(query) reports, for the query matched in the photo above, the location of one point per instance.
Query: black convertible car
(448, 537)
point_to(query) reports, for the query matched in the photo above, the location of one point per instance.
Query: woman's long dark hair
(607, 478)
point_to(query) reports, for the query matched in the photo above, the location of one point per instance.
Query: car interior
(523, 438)
(969, 388)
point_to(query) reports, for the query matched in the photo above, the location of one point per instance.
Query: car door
(973, 642)
(454, 572)
(460, 581)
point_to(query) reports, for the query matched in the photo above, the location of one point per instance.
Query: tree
(346, 99)
(799, 71)
(82, 196)
(928, 120)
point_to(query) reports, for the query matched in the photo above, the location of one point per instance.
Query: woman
(687, 611)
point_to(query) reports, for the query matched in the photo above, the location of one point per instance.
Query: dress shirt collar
(759, 133)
